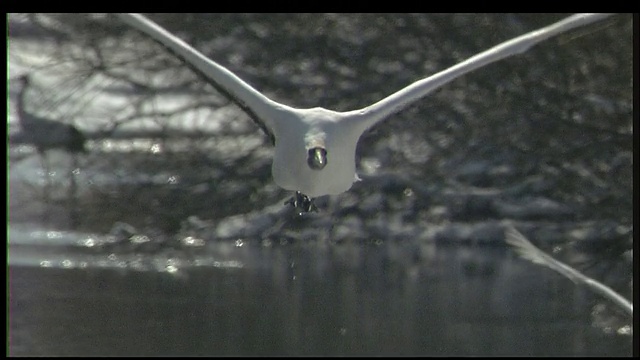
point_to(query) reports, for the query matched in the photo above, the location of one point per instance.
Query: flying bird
(315, 148)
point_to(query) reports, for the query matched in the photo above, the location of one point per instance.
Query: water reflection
(306, 299)
(391, 267)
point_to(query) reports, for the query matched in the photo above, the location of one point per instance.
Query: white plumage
(528, 251)
(315, 148)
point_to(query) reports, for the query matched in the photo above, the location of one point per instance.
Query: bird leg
(44, 161)
(302, 202)
(47, 186)
(73, 190)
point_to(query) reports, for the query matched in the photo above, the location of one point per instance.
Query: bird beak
(317, 158)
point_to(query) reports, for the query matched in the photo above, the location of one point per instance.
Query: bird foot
(302, 203)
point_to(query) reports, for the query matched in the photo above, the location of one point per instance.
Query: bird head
(316, 149)
(23, 80)
(317, 158)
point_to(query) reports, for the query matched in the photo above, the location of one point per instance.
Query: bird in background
(315, 148)
(46, 134)
(42, 133)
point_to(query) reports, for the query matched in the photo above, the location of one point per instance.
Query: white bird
(315, 148)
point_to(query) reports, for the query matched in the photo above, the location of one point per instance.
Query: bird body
(320, 129)
(315, 148)
(59, 135)
(44, 133)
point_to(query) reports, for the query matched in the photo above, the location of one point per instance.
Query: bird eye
(317, 158)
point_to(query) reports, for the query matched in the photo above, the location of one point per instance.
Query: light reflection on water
(300, 299)
(238, 297)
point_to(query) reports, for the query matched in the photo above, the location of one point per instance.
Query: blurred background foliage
(551, 128)
(507, 118)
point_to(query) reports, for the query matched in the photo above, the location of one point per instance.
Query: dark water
(408, 262)
(307, 300)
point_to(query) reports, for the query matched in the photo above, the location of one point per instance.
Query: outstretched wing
(259, 107)
(528, 251)
(395, 102)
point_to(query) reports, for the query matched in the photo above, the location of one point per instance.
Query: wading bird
(315, 148)
(43, 133)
